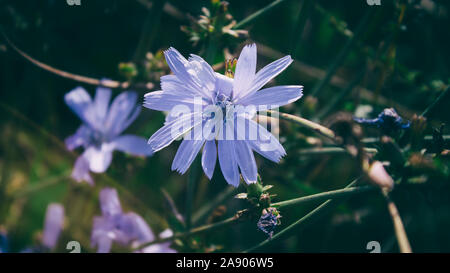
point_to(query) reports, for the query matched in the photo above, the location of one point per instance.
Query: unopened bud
(379, 176)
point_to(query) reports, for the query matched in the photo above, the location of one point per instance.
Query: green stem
(435, 102)
(336, 100)
(201, 229)
(343, 53)
(325, 196)
(149, 30)
(42, 185)
(257, 14)
(303, 15)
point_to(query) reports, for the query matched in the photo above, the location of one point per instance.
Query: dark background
(404, 64)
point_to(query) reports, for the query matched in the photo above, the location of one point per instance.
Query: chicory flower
(100, 133)
(215, 112)
(127, 229)
(54, 220)
(388, 121)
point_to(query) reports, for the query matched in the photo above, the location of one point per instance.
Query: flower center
(223, 101)
(96, 138)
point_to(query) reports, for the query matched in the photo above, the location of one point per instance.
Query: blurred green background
(398, 58)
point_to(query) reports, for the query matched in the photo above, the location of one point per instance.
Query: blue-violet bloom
(126, 229)
(206, 108)
(100, 132)
(53, 225)
(388, 121)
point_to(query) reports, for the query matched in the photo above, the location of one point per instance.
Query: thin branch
(257, 14)
(331, 150)
(400, 233)
(435, 102)
(42, 185)
(75, 77)
(343, 53)
(306, 123)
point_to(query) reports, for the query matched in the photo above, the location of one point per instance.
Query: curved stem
(400, 233)
(305, 123)
(75, 77)
(331, 150)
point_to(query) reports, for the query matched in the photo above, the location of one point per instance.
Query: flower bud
(379, 176)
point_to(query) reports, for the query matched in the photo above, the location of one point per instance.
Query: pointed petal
(266, 74)
(54, 220)
(172, 85)
(119, 113)
(80, 102)
(101, 101)
(227, 155)
(195, 74)
(80, 138)
(209, 158)
(227, 161)
(190, 147)
(204, 72)
(99, 159)
(173, 130)
(264, 142)
(246, 161)
(274, 97)
(102, 235)
(224, 85)
(133, 145)
(136, 228)
(162, 101)
(245, 70)
(186, 154)
(81, 170)
(109, 202)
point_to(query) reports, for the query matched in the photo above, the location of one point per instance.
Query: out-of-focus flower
(379, 176)
(388, 121)
(162, 247)
(206, 106)
(53, 225)
(268, 221)
(100, 132)
(4, 244)
(127, 229)
(54, 220)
